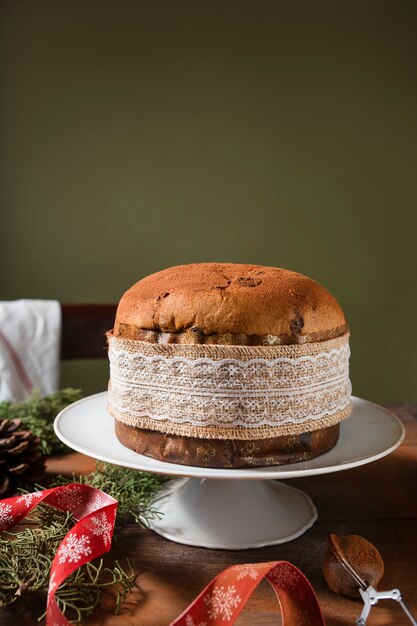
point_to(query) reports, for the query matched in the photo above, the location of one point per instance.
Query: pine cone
(21, 461)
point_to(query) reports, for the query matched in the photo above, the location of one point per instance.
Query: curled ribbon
(218, 604)
(90, 537)
(225, 596)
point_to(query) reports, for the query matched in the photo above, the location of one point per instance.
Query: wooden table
(377, 501)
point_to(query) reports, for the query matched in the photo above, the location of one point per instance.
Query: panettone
(229, 365)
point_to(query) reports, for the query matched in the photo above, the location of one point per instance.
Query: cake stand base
(230, 514)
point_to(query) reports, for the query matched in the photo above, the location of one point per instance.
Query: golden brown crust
(231, 299)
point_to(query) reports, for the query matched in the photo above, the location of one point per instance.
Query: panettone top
(231, 298)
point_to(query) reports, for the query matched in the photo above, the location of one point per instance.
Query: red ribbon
(90, 537)
(223, 599)
(219, 604)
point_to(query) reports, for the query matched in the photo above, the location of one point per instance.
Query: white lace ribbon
(229, 391)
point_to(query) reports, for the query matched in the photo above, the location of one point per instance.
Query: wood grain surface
(377, 501)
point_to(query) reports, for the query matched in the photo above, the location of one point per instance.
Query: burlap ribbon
(229, 392)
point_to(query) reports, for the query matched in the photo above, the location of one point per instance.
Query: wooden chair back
(84, 328)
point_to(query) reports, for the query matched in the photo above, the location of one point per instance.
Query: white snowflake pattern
(97, 503)
(5, 517)
(70, 498)
(190, 622)
(102, 527)
(285, 576)
(27, 498)
(250, 571)
(222, 601)
(74, 548)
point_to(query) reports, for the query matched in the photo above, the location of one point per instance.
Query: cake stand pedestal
(232, 514)
(232, 509)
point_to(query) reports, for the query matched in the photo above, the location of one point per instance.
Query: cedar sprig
(37, 415)
(81, 592)
(133, 490)
(26, 559)
(26, 556)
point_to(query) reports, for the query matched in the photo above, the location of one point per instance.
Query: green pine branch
(26, 556)
(26, 559)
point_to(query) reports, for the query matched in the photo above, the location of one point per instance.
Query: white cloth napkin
(30, 337)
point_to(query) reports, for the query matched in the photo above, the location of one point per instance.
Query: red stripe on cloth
(20, 369)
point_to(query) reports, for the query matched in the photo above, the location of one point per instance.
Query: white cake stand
(232, 509)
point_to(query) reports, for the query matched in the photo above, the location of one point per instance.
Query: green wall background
(137, 135)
